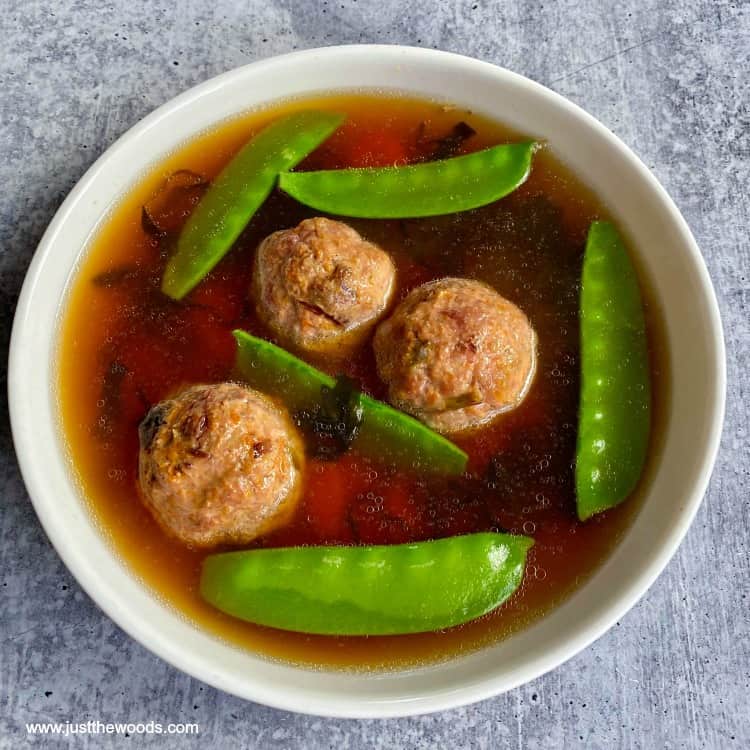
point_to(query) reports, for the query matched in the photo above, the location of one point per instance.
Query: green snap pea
(385, 432)
(614, 416)
(239, 191)
(431, 189)
(382, 590)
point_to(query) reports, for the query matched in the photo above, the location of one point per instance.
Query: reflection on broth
(125, 347)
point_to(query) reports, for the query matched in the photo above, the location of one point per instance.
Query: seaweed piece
(334, 424)
(448, 145)
(113, 277)
(110, 396)
(496, 475)
(148, 225)
(166, 211)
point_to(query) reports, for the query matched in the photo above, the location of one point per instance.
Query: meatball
(219, 464)
(320, 286)
(455, 354)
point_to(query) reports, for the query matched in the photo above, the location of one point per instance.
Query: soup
(126, 347)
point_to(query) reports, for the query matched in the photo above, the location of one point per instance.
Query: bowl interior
(670, 262)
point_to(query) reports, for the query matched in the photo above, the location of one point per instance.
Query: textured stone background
(670, 77)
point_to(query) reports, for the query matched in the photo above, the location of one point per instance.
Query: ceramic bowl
(667, 254)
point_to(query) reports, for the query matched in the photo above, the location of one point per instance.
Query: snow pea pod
(430, 189)
(379, 590)
(239, 191)
(614, 415)
(384, 432)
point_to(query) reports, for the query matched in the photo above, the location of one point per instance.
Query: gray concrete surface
(670, 77)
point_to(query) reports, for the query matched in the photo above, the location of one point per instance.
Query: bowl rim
(298, 699)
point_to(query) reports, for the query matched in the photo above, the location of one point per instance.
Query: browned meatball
(320, 286)
(455, 354)
(219, 464)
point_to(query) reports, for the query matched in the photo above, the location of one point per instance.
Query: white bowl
(667, 253)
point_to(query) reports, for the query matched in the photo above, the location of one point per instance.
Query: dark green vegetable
(333, 424)
(384, 431)
(383, 590)
(163, 213)
(614, 421)
(237, 193)
(448, 145)
(114, 277)
(430, 189)
(110, 403)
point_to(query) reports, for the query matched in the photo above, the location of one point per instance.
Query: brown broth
(123, 346)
